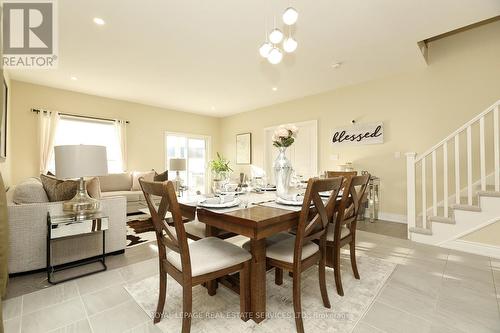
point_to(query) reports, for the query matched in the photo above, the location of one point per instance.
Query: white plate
(230, 204)
(231, 192)
(288, 202)
(268, 188)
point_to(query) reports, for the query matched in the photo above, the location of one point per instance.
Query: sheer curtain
(121, 134)
(47, 127)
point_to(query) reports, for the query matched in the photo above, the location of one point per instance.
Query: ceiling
(202, 56)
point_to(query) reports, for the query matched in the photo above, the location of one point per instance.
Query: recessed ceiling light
(74, 78)
(275, 88)
(99, 21)
(336, 65)
(212, 108)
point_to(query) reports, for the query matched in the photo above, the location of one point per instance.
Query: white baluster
(496, 146)
(410, 188)
(469, 166)
(424, 196)
(445, 180)
(434, 185)
(482, 154)
(457, 169)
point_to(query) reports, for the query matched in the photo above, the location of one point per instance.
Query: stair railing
(453, 139)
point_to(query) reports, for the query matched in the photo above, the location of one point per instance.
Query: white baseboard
(473, 247)
(389, 217)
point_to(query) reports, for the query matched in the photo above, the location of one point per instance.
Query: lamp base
(81, 205)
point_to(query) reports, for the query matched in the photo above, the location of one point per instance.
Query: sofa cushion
(116, 182)
(132, 196)
(161, 177)
(148, 176)
(29, 191)
(63, 190)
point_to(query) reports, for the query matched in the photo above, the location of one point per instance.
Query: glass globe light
(290, 45)
(275, 56)
(265, 48)
(290, 16)
(276, 36)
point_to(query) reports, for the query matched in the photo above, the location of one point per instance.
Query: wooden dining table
(257, 222)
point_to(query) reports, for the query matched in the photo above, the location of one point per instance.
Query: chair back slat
(345, 174)
(175, 240)
(348, 207)
(315, 226)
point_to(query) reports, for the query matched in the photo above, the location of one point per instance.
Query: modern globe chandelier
(276, 42)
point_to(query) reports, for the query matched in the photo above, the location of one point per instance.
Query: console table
(70, 226)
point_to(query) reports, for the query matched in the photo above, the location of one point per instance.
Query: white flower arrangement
(285, 135)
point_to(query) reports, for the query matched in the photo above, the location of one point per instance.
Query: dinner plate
(229, 204)
(326, 194)
(288, 202)
(231, 192)
(268, 188)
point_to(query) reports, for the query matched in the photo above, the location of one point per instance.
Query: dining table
(262, 218)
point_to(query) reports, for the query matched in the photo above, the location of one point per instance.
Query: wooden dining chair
(333, 174)
(298, 253)
(343, 229)
(190, 265)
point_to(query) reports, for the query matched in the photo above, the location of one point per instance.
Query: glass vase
(282, 172)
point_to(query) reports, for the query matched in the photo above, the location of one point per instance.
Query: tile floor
(431, 290)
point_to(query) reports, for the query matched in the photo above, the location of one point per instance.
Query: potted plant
(220, 172)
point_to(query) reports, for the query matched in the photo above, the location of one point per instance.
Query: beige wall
(418, 109)
(145, 133)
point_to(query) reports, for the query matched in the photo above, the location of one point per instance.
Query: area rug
(220, 312)
(140, 230)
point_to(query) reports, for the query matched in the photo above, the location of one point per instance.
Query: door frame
(314, 147)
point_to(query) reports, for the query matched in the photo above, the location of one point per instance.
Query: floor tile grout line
(85, 309)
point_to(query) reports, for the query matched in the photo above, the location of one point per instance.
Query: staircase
(454, 187)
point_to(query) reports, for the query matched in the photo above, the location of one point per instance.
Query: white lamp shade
(275, 56)
(276, 36)
(290, 45)
(264, 49)
(75, 161)
(177, 164)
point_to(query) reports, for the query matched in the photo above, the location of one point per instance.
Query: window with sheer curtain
(82, 131)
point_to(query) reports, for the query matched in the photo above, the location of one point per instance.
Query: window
(81, 131)
(195, 150)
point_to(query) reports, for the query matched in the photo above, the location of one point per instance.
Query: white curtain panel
(121, 133)
(47, 127)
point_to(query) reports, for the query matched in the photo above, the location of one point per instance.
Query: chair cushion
(209, 255)
(283, 250)
(195, 228)
(343, 233)
(271, 240)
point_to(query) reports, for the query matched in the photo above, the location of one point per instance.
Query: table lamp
(79, 161)
(177, 165)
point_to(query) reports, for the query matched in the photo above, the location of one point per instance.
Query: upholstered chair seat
(344, 231)
(209, 255)
(283, 250)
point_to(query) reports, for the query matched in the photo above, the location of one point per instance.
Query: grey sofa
(28, 230)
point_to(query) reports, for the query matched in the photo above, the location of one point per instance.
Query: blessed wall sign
(366, 134)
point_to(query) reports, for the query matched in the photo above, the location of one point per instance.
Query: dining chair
(343, 229)
(333, 174)
(195, 263)
(296, 253)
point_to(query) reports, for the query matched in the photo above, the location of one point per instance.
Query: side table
(69, 226)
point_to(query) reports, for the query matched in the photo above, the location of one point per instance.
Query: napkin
(219, 200)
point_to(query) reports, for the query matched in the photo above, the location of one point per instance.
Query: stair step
(441, 219)
(489, 193)
(422, 231)
(467, 207)
(475, 200)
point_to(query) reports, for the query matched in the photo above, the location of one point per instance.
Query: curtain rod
(77, 115)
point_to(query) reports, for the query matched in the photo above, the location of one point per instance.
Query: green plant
(219, 165)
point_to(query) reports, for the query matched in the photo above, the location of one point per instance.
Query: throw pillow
(148, 176)
(64, 190)
(161, 177)
(29, 191)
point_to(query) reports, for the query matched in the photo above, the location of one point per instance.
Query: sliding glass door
(195, 149)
